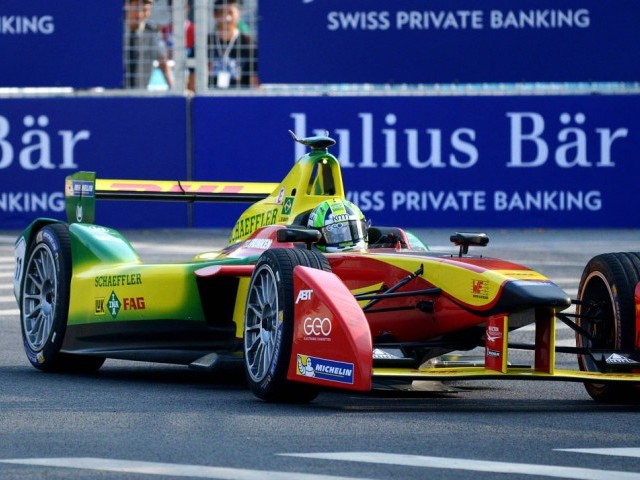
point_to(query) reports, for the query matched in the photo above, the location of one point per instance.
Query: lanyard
(225, 55)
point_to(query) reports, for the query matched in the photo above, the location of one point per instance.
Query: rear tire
(268, 330)
(608, 286)
(44, 303)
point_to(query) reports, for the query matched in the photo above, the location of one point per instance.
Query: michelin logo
(323, 369)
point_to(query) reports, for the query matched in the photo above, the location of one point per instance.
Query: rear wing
(83, 188)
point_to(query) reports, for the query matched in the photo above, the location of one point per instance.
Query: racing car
(309, 296)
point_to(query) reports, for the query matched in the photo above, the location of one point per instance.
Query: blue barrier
(553, 161)
(461, 41)
(57, 44)
(42, 140)
(461, 162)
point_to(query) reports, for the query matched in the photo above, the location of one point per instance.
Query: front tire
(607, 312)
(44, 303)
(268, 330)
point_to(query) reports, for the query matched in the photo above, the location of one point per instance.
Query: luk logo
(304, 295)
(100, 306)
(36, 151)
(317, 326)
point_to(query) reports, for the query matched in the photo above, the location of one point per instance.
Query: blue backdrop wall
(435, 41)
(49, 44)
(42, 140)
(463, 162)
(563, 161)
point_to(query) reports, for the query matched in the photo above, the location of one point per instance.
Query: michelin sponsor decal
(323, 369)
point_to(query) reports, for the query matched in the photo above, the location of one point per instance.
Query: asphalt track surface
(146, 421)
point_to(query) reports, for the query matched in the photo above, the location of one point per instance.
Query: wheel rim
(597, 291)
(261, 323)
(39, 298)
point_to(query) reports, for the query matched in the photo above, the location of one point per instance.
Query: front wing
(333, 347)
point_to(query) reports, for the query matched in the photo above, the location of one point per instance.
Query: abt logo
(304, 295)
(318, 327)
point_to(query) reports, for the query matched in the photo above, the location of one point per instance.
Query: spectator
(143, 46)
(189, 42)
(234, 54)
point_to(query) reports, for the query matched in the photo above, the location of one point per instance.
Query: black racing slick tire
(268, 330)
(607, 311)
(44, 303)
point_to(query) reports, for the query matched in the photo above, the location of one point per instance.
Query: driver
(342, 225)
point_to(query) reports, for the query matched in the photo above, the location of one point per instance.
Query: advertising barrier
(465, 41)
(42, 140)
(57, 44)
(459, 162)
(474, 162)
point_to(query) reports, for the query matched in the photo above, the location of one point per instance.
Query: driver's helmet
(342, 225)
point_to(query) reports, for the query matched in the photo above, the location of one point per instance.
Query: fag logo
(134, 303)
(304, 295)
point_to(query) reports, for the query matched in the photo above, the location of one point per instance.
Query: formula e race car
(309, 296)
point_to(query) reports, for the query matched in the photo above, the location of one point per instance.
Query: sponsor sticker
(619, 359)
(287, 206)
(114, 304)
(494, 334)
(80, 188)
(258, 243)
(317, 329)
(480, 288)
(324, 369)
(304, 295)
(118, 280)
(100, 306)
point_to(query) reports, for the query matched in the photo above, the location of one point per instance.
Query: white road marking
(616, 452)
(7, 298)
(7, 274)
(553, 471)
(169, 469)
(11, 311)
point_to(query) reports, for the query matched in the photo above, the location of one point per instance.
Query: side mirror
(306, 235)
(464, 240)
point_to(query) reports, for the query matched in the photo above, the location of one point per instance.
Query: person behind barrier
(342, 224)
(234, 54)
(143, 45)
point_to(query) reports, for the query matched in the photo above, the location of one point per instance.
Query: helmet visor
(351, 231)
